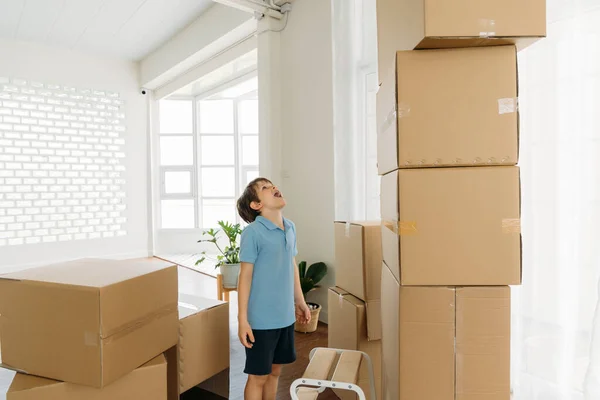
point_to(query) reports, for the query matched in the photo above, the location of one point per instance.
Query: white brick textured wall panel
(58, 146)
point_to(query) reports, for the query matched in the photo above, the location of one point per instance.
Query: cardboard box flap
(90, 272)
(345, 317)
(482, 342)
(22, 382)
(360, 223)
(426, 342)
(339, 291)
(148, 295)
(372, 311)
(189, 305)
(26, 382)
(374, 320)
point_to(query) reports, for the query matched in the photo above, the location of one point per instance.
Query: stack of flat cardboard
(448, 130)
(354, 304)
(99, 329)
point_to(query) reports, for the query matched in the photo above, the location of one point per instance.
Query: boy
(270, 297)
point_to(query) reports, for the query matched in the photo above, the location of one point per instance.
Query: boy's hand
(245, 334)
(303, 313)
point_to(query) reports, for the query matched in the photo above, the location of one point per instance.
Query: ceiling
(128, 29)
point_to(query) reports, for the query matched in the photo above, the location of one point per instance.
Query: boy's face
(270, 197)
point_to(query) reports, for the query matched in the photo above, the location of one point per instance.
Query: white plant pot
(230, 274)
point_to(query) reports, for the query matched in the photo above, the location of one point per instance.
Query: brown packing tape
(409, 228)
(402, 228)
(131, 326)
(511, 225)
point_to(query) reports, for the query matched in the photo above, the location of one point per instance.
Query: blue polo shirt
(271, 250)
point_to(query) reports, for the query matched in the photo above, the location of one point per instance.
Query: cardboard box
(451, 107)
(452, 226)
(348, 330)
(88, 322)
(445, 343)
(218, 384)
(203, 349)
(148, 382)
(358, 265)
(426, 24)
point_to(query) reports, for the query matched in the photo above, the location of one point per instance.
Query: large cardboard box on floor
(88, 322)
(452, 226)
(203, 348)
(450, 107)
(358, 265)
(445, 343)
(347, 329)
(148, 382)
(419, 24)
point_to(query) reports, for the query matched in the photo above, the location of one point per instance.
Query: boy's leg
(259, 361)
(270, 387)
(285, 353)
(255, 387)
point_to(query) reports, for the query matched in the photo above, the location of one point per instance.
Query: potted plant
(229, 258)
(309, 279)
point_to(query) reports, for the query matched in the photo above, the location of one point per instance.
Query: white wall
(304, 54)
(58, 66)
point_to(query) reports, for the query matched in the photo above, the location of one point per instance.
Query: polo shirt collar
(270, 225)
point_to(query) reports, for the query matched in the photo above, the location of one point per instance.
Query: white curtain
(556, 312)
(555, 336)
(355, 86)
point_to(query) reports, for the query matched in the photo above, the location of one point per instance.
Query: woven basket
(314, 321)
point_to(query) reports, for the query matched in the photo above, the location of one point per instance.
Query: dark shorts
(271, 346)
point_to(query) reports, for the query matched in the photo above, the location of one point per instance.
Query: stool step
(320, 364)
(348, 367)
(307, 394)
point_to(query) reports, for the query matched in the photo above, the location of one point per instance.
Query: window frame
(195, 169)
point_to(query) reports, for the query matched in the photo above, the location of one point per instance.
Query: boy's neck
(275, 216)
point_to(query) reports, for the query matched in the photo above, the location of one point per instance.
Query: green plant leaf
(200, 261)
(316, 272)
(302, 269)
(307, 285)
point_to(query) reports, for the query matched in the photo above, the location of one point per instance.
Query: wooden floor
(192, 282)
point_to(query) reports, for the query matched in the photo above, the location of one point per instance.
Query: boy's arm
(298, 295)
(248, 255)
(302, 311)
(244, 284)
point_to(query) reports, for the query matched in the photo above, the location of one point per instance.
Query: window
(208, 152)
(62, 171)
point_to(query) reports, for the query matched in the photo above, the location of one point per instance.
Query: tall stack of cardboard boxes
(100, 329)
(354, 304)
(448, 130)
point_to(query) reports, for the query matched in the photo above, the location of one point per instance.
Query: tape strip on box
(508, 105)
(401, 110)
(487, 28)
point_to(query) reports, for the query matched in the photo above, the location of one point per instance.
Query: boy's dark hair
(249, 195)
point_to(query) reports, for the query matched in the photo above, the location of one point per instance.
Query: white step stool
(345, 375)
